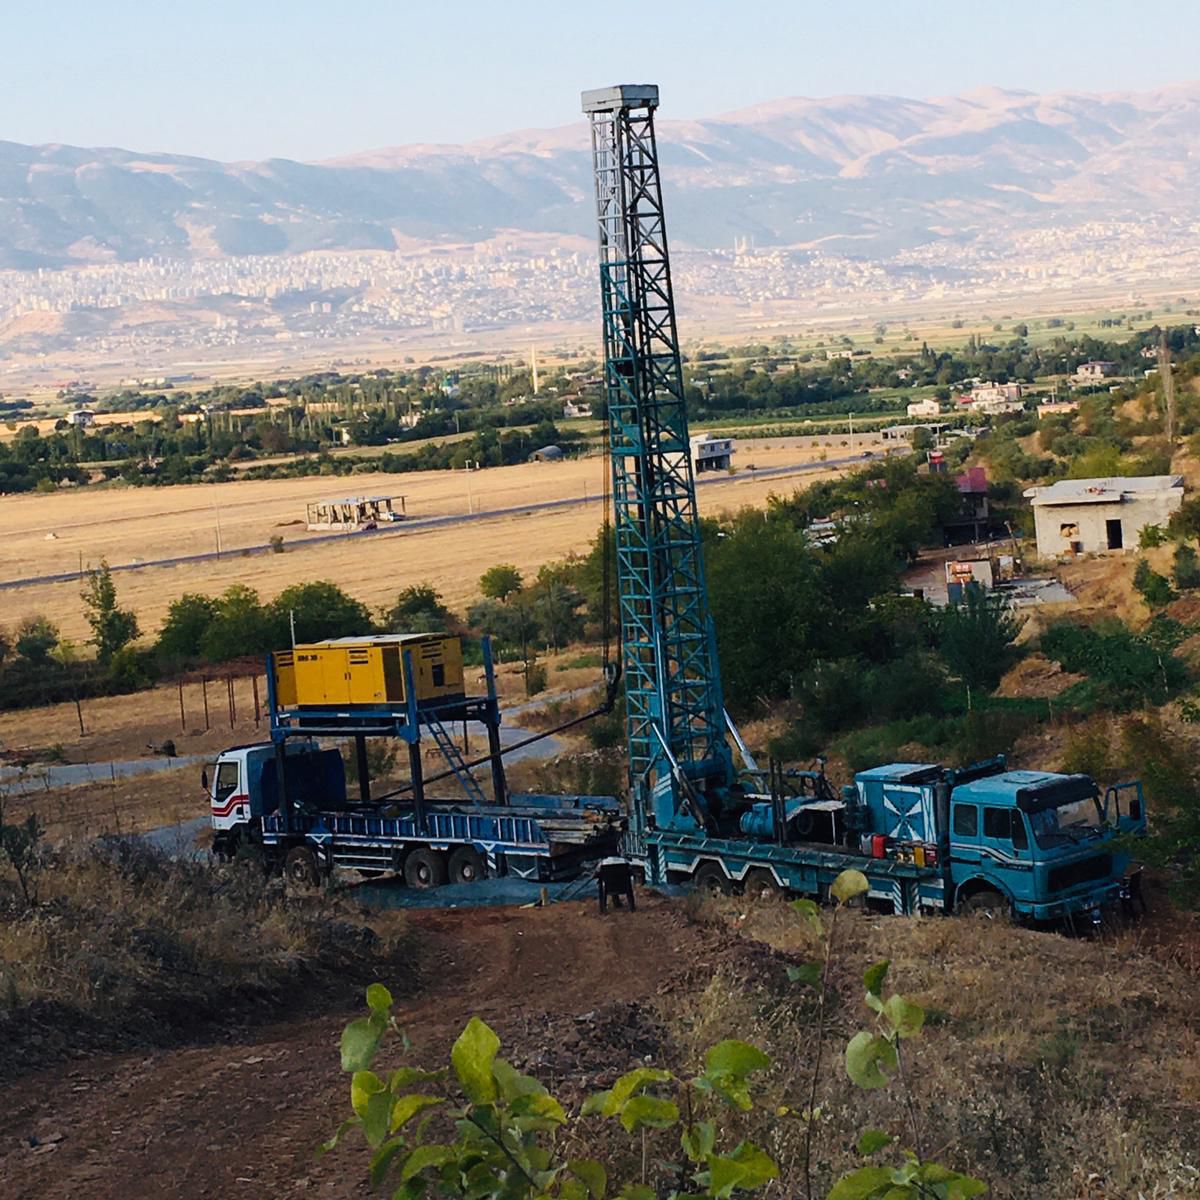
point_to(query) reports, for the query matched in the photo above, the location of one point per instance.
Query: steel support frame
(671, 674)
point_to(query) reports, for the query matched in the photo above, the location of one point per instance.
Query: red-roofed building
(974, 515)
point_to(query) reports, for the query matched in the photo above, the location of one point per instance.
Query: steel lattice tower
(675, 708)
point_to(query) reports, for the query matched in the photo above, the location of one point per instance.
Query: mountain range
(863, 175)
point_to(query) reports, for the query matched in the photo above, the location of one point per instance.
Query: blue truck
(1035, 845)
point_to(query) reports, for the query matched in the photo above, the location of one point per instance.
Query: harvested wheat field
(50, 534)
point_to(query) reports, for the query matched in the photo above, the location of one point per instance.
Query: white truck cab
(237, 795)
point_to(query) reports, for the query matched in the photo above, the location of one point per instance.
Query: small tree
(418, 609)
(1154, 588)
(976, 636)
(187, 621)
(67, 653)
(112, 626)
(1185, 569)
(21, 848)
(500, 582)
(35, 640)
(1151, 536)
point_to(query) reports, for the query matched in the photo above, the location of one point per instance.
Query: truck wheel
(710, 877)
(466, 865)
(987, 903)
(300, 867)
(424, 869)
(760, 884)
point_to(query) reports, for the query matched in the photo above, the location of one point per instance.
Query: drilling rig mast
(679, 760)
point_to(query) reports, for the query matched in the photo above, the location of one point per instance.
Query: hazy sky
(308, 79)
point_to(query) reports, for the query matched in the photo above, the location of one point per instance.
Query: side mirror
(204, 779)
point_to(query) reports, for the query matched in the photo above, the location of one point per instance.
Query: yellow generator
(368, 672)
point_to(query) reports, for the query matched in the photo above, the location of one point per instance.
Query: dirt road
(240, 1118)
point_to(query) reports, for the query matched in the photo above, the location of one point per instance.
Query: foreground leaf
(472, 1058)
(870, 1060)
(849, 884)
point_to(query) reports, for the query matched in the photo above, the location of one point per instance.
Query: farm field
(52, 534)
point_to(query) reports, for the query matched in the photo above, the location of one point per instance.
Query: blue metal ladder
(458, 764)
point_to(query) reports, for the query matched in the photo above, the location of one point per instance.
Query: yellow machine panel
(369, 671)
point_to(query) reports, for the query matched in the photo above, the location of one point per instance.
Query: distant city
(160, 306)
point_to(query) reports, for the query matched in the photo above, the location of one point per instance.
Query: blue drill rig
(1041, 845)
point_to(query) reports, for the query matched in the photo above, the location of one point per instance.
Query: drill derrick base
(681, 769)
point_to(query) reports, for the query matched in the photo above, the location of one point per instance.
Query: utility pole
(217, 510)
(851, 433)
(1168, 384)
(468, 465)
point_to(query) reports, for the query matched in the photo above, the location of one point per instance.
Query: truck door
(227, 796)
(964, 833)
(1005, 846)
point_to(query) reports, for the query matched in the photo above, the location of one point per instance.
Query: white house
(711, 453)
(83, 418)
(924, 408)
(1092, 516)
(1095, 371)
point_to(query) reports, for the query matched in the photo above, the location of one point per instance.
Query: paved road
(48, 776)
(420, 523)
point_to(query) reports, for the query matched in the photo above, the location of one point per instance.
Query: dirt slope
(242, 1118)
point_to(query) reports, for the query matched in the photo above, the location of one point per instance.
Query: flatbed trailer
(288, 798)
(537, 838)
(718, 864)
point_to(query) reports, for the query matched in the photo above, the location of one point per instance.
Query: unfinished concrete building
(1096, 516)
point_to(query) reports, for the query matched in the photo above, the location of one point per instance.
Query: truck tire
(987, 903)
(711, 877)
(300, 867)
(424, 868)
(466, 865)
(761, 884)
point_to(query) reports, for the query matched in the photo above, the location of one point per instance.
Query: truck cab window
(966, 820)
(227, 781)
(997, 823)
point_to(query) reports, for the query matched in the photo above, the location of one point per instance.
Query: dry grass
(125, 524)
(113, 806)
(1050, 1067)
(125, 946)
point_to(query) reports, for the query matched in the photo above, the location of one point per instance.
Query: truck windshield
(1070, 822)
(227, 782)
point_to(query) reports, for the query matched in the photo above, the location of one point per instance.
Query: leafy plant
(482, 1130)
(504, 1133)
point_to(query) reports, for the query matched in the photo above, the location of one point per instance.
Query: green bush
(976, 637)
(1154, 588)
(1125, 669)
(1185, 568)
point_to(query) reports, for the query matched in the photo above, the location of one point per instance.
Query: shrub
(1185, 568)
(1151, 537)
(1125, 669)
(1154, 588)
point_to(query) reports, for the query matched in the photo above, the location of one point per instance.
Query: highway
(422, 523)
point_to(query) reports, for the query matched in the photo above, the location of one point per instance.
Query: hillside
(873, 174)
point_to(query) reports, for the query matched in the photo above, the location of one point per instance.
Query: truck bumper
(1093, 901)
